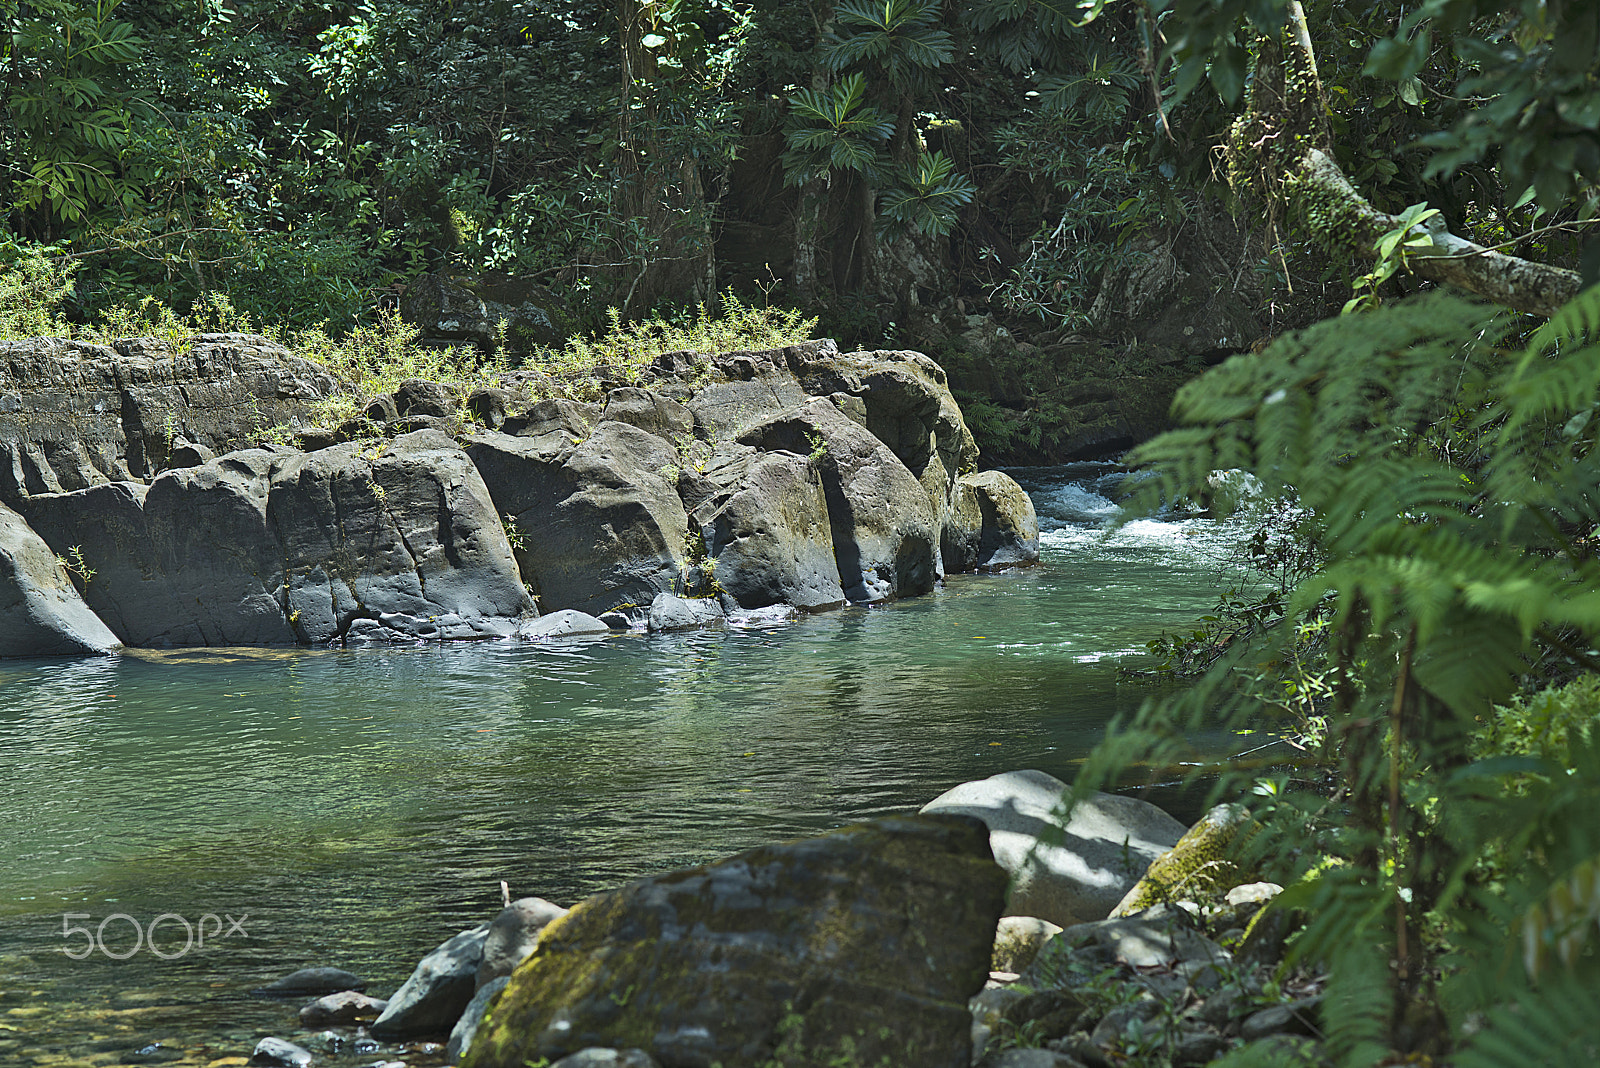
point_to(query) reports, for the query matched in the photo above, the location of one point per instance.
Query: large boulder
(764, 521)
(75, 415)
(860, 945)
(991, 524)
(602, 524)
(905, 398)
(41, 613)
(1066, 873)
(433, 997)
(404, 533)
(264, 547)
(885, 535)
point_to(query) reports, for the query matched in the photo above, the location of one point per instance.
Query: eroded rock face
(864, 943)
(764, 521)
(603, 525)
(797, 476)
(266, 547)
(75, 415)
(41, 613)
(991, 524)
(885, 536)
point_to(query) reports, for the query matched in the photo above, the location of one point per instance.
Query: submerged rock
(345, 1008)
(41, 613)
(1065, 874)
(316, 980)
(863, 943)
(567, 623)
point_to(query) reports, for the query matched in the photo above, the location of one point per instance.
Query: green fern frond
(1555, 1026)
(1577, 320)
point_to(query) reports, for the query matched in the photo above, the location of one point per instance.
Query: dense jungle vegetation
(896, 169)
(1072, 172)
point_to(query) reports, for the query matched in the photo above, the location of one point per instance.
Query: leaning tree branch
(1510, 281)
(1281, 146)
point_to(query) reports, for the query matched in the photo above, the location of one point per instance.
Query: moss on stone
(1204, 863)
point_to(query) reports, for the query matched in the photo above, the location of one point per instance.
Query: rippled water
(358, 806)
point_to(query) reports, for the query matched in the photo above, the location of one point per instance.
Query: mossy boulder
(1204, 863)
(863, 944)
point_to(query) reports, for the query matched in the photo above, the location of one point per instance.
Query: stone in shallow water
(279, 1053)
(432, 999)
(864, 943)
(346, 1007)
(319, 980)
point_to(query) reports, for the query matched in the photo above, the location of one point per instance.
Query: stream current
(356, 807)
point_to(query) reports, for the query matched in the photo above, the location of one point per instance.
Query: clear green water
(358, 806)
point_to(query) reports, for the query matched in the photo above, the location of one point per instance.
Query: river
(355, 807)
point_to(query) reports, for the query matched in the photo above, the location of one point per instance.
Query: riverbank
(800, 477)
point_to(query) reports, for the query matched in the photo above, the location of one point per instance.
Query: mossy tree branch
(1282, 146)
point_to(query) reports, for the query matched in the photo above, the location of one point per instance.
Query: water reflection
(362, 804)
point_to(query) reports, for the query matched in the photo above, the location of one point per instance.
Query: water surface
(355, 807)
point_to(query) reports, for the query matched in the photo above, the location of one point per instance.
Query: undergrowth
(375, 358)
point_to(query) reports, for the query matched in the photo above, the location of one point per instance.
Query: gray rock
(76, 415)
(318, 980)
(650, 412)
(1115, 1025)
(991, 524)
(598, 1057)
(466, 1028)
(345, 1008)
(567, 623)
(279, 1053)
(189, 454)
(766, 527)
(603, 527)
(571, 420)
(1051, 1013)
(882, 930)
(1017, 941)
(1198, 1047)
(513, 934)
(264, 547)
(409, 537)
(416, 396)
(41, 612)
(1141, 943)
(1295, 1017)
(1065, 875)
(433, 998)
(885, 535)
(751, 386)
(671, 612)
